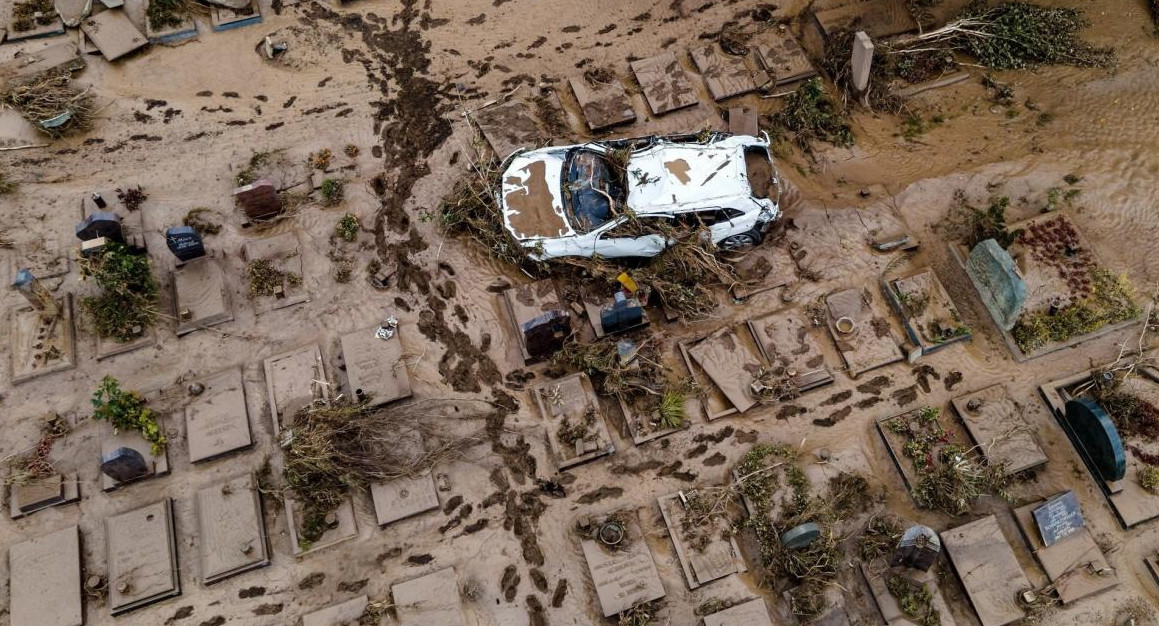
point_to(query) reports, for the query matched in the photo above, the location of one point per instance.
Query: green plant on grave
(127, 410)
(163, 14)
(1149, 478)
(811, 114)
(332, 191)
(914, 599)
(347, 227)
(1111, 301)
(127, 305)
(671, 409)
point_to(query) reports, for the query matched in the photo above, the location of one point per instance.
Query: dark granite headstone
(1059, 518)
(622, 314)
(259, 200)
(918, 548)
(184, 243)
(124, 465)
(100, 224)
(1100, 440)
(545, 334)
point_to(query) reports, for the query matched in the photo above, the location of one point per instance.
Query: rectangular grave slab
(37, 495)
(217, 420)
(58, 57)
(1075, 565)
(226, 18)
(743, 121)
(719, 558)
(996, 425)
(404, 497)
(783, 57)
(295, 379)
(870, 343)
(346, 529)
(786, 341)
(509, 126)
(730, 363)
(886, 603)
(751, 613)
(665, 83)
(141, 557)
(184, 32)
(988, 569)
(375, 366)
(604, 105)
(714, 403)
(200, 295)
(134, 441)
(53, 28)
(895, 441)
(625, 577)
(338, 614)
(56, 339)
(232, 537)
(113, 33)
(430, 599)
(878, 18)
(727, 76)
(572, 400)
(282, 252)
(929, 316)
(44, 584)
(539, 318)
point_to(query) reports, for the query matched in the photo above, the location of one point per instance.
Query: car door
(640, 238)
(718, 220)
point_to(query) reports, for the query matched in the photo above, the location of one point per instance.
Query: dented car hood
(532, 203)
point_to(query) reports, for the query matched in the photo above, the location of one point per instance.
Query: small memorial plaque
(184, 243)
(1059, 518)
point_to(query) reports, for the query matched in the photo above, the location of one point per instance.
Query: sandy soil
(395, 78)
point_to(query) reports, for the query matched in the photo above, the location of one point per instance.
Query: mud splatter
(600, 494)
(875, 385)
(837, 398)
(952, 380)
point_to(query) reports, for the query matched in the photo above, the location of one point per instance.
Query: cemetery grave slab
(731, 361)
(1074, 564)
(217, 420)
(38, 346)
(988, 569)
(665, 83)
(232, 537)
(430, 599)
(142, 557)
(751, 613)
(861, 332)
(538, 317)
(888, 605)
(294, 380)
(345, 527)
(44, 584)
(339, 614)
(787, 342)
(282, 267)
(995, 423)
(375, 367)
(930, 318)
(42, 493)
(604, 105)
(575, 427)
(58, 57)
(783, 57)
(626, 576)
(113, 33)
(226, 18)
(154, 465)
(404, 497)
(200, 295)
(878, 18)
(726, 75)
(716, 558)
(924, 424)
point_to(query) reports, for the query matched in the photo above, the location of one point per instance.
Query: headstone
(918, 548)
(259, 199)
(801, 536)
(995, 275)
(545, 334)
(624, 313)
(862, 60)
(124, 465)
(184, 243)
(100, 224)
(1101, 443)
(1059, 518)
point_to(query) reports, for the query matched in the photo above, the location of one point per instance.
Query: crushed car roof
(667, 176)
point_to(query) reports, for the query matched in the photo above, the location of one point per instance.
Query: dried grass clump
(472, 209)
(809, 114)
(49, 96)
(37, 464)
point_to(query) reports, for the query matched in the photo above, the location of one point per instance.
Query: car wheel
(741, 240)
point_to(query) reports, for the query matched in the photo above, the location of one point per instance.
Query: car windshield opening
(589, 190)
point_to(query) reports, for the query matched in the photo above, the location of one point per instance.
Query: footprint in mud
(875, 385)
(906, 395)
(834, 417)
(312, 580)
(600, 494)
(868, 402)
(837, 398)
(714, 460)
(560, 593)
(952, 380)
(509, 583)
(790, 410)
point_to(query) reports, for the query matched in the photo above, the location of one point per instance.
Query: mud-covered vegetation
(127, 305)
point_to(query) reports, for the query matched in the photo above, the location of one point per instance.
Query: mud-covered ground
(395, 79)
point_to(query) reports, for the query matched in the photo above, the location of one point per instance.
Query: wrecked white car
(614, 198)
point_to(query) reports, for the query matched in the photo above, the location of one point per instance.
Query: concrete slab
(37, 495)
(705, 557)
(44, 263)
(870, 344)
(751, 613)
(988, 569)
(184, 32)
(295, 379)
(113, 33)
(665, 83)
(510, 126)
(142, 557)
(998, 429)
(714, 403)
(375, 366)
(40, 347)
(200, 295)
(1075, 565)
(604, 105)
(225, 18)
(132, 440)
(928, 314)
(338, 614)
(725, 75)
(743, 121)
(217, 421)
(58, 57)
(44, 584)
(231, 532)
(731, 362)
(53, 28)
(783, 57)
(891, 612)
(430, 599)
(878, 18)
(895, 436)
(788, 342)
(524, 303)
(132, 222)
(345, 529)
(404, 497)
(282, 252)
(575, 427)
(625, 577)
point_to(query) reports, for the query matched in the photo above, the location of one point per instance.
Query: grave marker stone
(124, 465)
(184, 243)
(1100, 440)
(1059, 518)
(100, 224)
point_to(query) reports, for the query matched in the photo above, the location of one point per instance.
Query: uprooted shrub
(50, 96)
(810, 114)
(127, 304)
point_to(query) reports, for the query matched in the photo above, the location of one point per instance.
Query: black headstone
(622, 314)
(124, 465)
(545, 334)
(1099, 439)
(184, 243)
(918, 548)
(100, 224)
(1059, 518)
